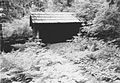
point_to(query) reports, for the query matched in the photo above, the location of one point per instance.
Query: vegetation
(100, 16)
(105, 20)
(86, 60)
(91, 57)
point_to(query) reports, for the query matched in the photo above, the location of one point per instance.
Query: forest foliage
(102, 15)
(85, 59)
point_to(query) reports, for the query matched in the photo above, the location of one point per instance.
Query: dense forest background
(92, 56)
(102, 17)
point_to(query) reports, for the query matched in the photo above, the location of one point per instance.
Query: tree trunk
(1, 39)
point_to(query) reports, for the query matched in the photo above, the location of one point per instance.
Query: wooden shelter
(54, 26)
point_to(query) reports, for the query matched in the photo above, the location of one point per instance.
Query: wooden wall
(56, 32)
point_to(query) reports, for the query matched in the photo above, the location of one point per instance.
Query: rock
(103, 82)
(93, 80)
(16, 82)
(116, 81)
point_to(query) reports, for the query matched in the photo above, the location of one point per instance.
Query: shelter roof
(53, 17)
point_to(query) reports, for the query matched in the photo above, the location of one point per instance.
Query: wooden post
(1, 38)
(33, 28)
(34, 32)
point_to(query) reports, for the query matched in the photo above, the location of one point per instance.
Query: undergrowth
(103, 62)
(93, 58)
(81, 60)
(17, 30)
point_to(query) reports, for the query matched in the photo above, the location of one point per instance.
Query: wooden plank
(53, 17)
(53, 21)
(44, 19)
(53, 13)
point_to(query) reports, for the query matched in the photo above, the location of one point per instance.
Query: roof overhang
(53, 17)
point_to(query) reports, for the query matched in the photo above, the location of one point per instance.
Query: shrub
(106, 25)
(18, 29)
(86, 9)
(102, 62)
(105, 20)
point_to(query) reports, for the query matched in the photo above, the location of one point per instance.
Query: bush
(107, 24)
(105, 20)
(100, 59)
(18, 29)
(86, 9)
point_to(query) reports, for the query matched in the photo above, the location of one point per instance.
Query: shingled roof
(53, 17)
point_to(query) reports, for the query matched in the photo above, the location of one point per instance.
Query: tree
(105, 21)
(0, 38)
